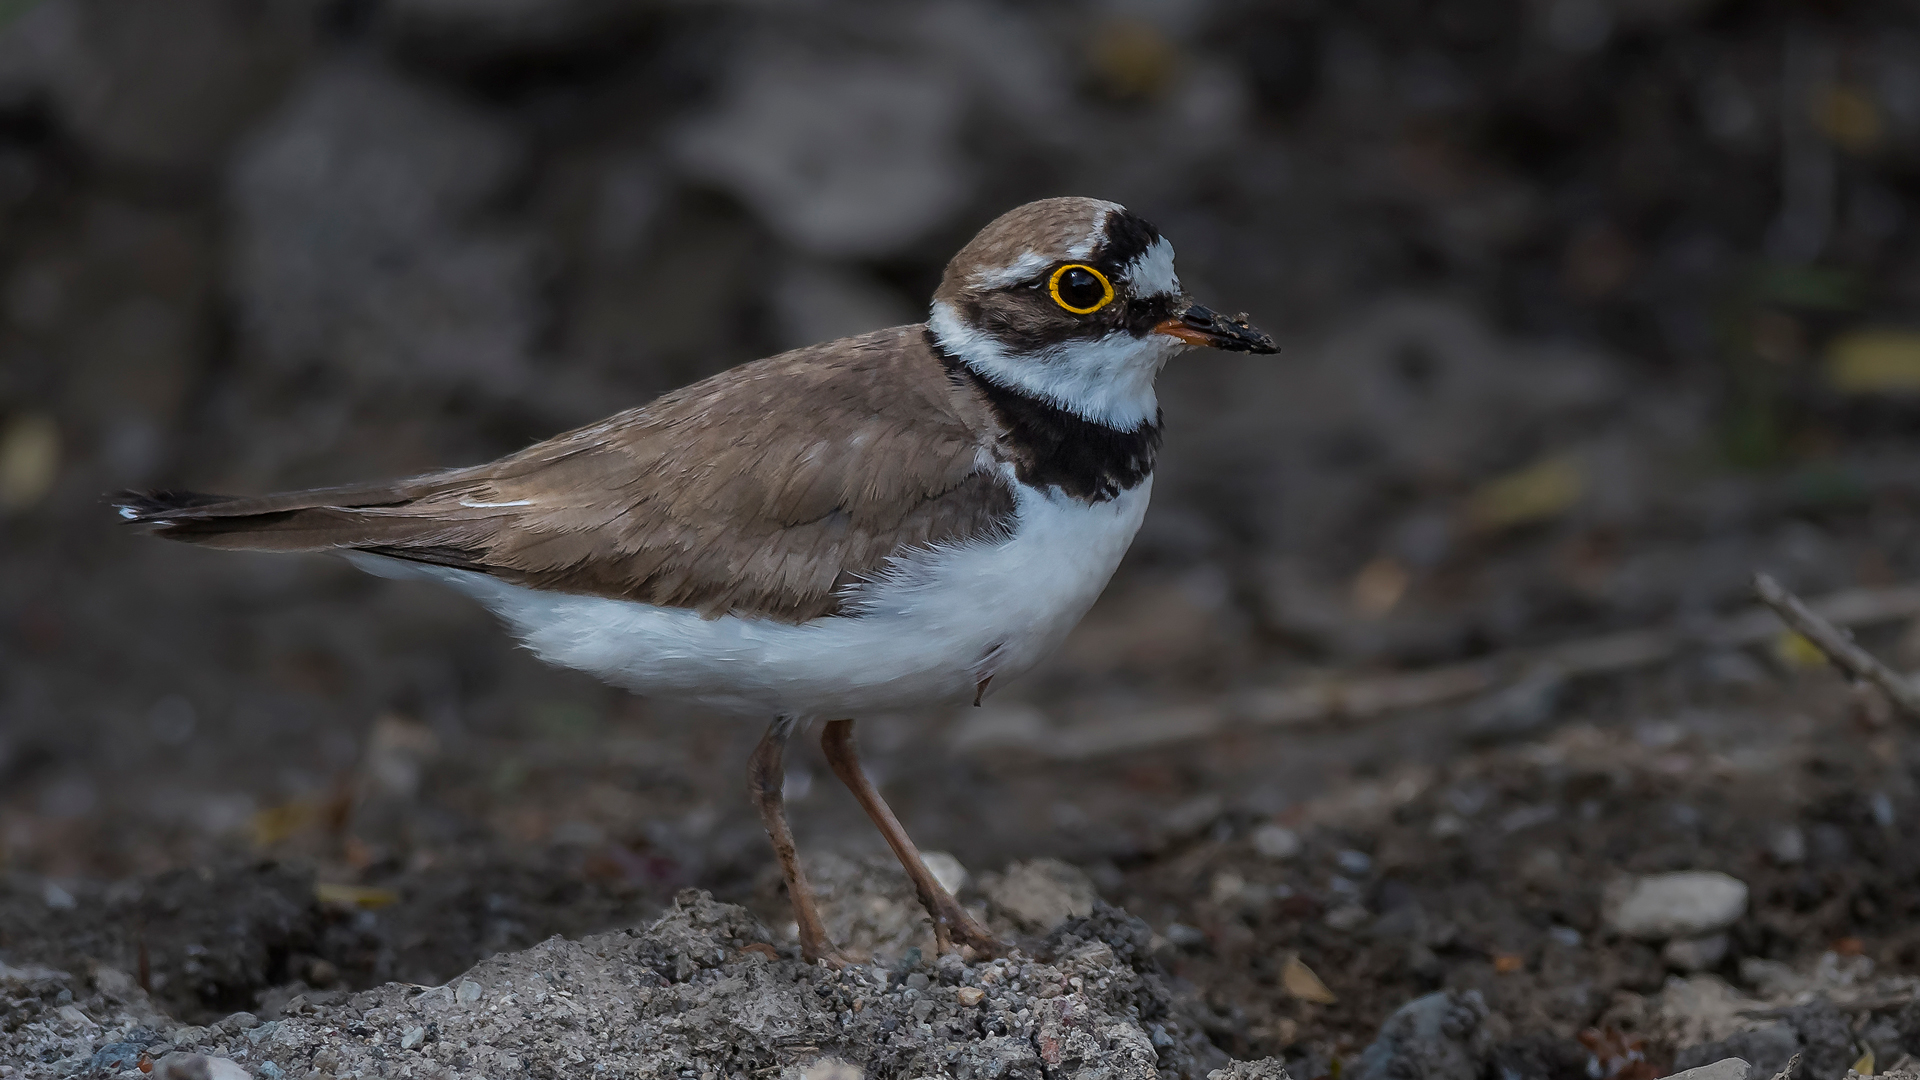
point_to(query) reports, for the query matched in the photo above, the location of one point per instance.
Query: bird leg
(952, 926)
(765, 779)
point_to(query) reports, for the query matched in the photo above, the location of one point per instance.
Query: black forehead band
(1128, 236)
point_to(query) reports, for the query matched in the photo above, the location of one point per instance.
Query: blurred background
(1588, 308)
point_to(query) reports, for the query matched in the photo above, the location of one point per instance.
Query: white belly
(926, 633)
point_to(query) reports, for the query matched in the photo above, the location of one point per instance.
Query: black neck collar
(1052, 447)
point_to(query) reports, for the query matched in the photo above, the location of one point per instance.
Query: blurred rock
(1442, 1036)
(155, 86)
(1276, 841)
(862, 165)
(1701, 1009)
(1817, 1031)
(362, 240)
(1040, 894)
(1732, 1068)
(492, 31)
(1695, 954)
(198, 1067)
(1684, 904)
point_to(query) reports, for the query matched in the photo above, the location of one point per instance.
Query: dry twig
(1837, 644)
(1358, 698)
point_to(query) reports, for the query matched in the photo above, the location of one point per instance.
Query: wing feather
(761, 491)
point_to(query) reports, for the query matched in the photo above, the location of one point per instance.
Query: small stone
(1276, 841)
(1042, 893)
(116, 1057)
(1685, 904)
(832, 1068)
(1788, 846)
(1182, 936)
(1442, 1036)
(1732, 1068)
(1348, 917)
(1695, 954)
(412, 1037)
(198, 1067)
(945, 869)
(970, 996)
(469, 992)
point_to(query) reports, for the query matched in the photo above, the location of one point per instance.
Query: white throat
(1107, 380)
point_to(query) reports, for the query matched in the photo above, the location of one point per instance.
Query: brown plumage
(760, 491)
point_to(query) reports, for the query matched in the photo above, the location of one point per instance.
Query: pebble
(1348, 917)
(1042, 893)
(1276, 841)
(1684, 904)
(1442, 1036)
(1788, 845)
(946, 870)
(1732, 1068)
(970, 995)
(198, 1067)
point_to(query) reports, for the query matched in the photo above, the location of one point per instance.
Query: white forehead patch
(1152, 273)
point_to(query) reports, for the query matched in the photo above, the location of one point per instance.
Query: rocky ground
(1610, 897)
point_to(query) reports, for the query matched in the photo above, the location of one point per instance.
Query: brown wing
(759, 491)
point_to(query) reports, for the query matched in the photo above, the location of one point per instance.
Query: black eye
(1080, 288)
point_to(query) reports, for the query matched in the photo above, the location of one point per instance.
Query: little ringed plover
(883, 522)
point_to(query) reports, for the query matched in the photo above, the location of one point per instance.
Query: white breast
(926, 633)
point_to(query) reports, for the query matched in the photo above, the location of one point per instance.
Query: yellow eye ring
(1053, 286)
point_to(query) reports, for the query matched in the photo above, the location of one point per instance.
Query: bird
(888, 521)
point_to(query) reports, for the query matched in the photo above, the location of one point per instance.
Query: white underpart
(1108, 380)
(925, 633)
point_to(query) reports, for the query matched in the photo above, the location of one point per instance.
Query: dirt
(1453, 916)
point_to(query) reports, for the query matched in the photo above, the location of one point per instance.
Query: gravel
(703, 989)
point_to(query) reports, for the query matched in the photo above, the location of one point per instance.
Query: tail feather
(373, 519)
(194, 505)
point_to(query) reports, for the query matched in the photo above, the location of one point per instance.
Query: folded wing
(762, 491)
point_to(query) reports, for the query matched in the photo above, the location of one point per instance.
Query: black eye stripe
(1128, 236)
